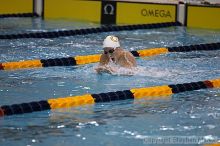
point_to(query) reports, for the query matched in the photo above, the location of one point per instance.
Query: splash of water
(137, 71)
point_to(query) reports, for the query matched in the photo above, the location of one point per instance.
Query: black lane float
(150, 93)
(105, 28)
(19, 15)
(80, 60)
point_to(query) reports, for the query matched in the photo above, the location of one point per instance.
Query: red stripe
(1, 112)
(1, 67)
(208, 84)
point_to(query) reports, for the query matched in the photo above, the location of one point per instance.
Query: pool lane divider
(80, 60)
(215, 144)
(19, 15)
(104, 28)
(149, 93)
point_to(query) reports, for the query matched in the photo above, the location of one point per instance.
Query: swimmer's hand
(105, 69)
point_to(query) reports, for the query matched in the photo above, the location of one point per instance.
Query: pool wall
(203, 16)
(16, 6)
(119, 12)
(111, 12)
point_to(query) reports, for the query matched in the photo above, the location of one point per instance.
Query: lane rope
(80, 60)
(215, 144)
(105, 28)
(19, 15)
(150, 93)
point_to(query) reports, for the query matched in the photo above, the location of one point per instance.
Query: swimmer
(114, 55)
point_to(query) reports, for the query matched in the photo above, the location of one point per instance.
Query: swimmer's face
(109, 51)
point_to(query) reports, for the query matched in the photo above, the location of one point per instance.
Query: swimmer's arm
(127, 60)
(105, 69)
(103, 65)
(104, 60)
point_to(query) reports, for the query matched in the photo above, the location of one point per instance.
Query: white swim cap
(111, 41)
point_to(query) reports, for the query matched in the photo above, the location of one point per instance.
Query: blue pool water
(194, 114)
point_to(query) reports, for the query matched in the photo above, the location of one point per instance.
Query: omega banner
(136, 13)
(16, 6)
(203, 16)
(110, 12)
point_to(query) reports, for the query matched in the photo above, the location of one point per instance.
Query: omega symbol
(109, 9)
